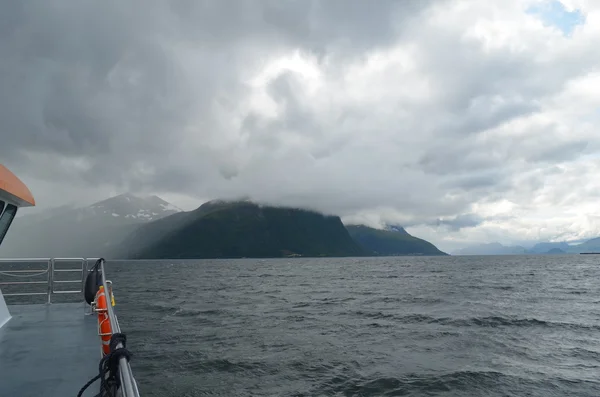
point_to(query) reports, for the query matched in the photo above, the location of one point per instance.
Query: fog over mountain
(463, 121)
(91, 231)
(131, 227)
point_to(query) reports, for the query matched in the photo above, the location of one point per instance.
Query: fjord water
(410, 326)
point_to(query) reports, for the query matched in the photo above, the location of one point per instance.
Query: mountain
(396, 228)
(394, 241)
(592, 245)
(82, 232)
(541, 248)
(220, 229)
(491, 249)
(545, 248)
(555, 251)
(130, 207)
(562, 247)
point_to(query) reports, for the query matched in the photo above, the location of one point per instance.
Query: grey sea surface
(397, 326)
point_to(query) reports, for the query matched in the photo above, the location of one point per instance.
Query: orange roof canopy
(15, 188)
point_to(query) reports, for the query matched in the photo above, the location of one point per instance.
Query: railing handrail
(11, 260)
(50, 270)
(128, 384)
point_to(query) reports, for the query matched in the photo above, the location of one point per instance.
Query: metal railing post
(84, 271)
(50, 279)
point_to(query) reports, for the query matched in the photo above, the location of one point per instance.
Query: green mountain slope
(385, 242)
(241, 229)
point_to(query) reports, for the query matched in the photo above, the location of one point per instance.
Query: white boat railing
(128, 385)
(32, 268)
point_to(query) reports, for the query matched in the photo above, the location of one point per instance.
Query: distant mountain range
(592, 245)
(220, 229)
(82, 232)
(491, 249)
(548, 248)
(128, 226)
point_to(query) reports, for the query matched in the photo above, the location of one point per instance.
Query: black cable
(109, 364)
(90, 382)
(101, 375)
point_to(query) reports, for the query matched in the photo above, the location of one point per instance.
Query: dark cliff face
(391, 242)
(241, 229)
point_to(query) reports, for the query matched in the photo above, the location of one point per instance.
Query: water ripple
(496, 326)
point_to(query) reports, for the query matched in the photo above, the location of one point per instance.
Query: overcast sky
(466, 121)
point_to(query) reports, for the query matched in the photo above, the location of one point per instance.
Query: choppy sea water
(409, 326)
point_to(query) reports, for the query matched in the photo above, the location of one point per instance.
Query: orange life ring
(104, 329)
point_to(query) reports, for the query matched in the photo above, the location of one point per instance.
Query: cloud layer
(464, 120)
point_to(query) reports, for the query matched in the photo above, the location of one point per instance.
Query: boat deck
(48, 351)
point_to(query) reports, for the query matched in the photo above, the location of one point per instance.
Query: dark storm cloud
(99, 82)
(408, 109)
(319, 26)
(107, 81)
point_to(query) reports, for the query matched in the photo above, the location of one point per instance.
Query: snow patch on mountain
(132, 208)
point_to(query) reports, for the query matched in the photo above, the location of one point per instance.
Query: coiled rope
(108, 369)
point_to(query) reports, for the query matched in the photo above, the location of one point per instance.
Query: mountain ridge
(391, 241)
(127, 225)
(244, 229)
